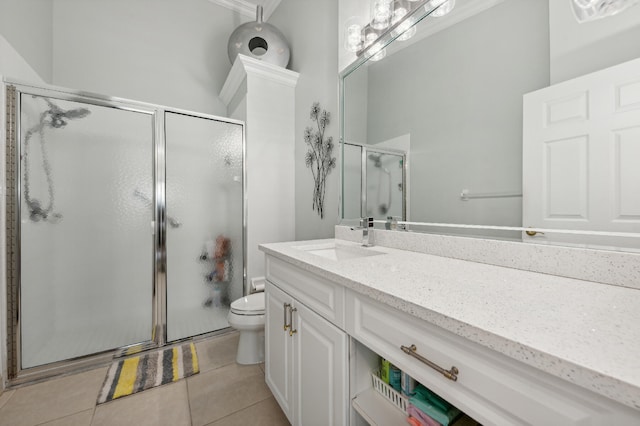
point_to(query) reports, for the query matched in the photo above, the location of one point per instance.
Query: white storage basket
(395, 398)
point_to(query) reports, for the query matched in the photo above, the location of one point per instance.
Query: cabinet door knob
(451, 374)
(291, 330)
(286, 306)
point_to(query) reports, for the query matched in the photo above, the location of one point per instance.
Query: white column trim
(244, 65)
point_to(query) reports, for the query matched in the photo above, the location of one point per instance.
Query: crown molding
(248, 8)
(244, 66)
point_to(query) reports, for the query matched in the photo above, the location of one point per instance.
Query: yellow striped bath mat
(130, 375)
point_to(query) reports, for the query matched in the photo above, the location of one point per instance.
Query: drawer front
(322, 296)
(490, 387)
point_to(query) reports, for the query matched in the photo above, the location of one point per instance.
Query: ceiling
(248, 7)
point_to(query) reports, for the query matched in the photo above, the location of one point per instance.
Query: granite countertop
(584, 332)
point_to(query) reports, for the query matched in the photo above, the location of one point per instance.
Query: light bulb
(381, 12)
(406, 34)
(381, 54)
(399, 13)
(589, 10)
(405, 30)
(370, 35)
(444, 7)
(353, 37)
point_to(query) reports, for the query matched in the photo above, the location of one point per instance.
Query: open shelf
(376, 410)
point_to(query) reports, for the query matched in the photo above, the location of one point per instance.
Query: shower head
(376, 158)
(38, 213)
(54, 117)
(59, 116)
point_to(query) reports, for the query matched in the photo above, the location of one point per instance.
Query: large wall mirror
(433, 136)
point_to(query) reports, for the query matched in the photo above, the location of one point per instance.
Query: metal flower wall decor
(318, 157)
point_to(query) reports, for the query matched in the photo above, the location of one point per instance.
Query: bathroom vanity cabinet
(489, 387)
(340, 320)
(306, 352)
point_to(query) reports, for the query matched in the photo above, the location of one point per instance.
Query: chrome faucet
(366, 223)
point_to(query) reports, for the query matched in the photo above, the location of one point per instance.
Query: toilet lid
(252, 304)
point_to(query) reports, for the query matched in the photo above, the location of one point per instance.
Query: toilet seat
(252, 304)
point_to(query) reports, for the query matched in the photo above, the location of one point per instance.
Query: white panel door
(278, 348)
(321, 372)
(581, 157)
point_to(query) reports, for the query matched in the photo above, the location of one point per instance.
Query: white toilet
(247, 316)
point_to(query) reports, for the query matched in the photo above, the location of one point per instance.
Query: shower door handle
(286, 306)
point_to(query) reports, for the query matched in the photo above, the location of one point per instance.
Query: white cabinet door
(321, 370)
(306, 365)
(278, 348)
(581, 145)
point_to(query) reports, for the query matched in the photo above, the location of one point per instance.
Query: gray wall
(356, 87)
(311, 28)
(461, 102)
(27, 26)
(161, 51)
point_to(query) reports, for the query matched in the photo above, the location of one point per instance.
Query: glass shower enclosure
(125, 226)
(374, 182)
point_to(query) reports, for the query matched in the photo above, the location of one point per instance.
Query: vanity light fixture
(359, 35)
(406, 29)
(590, 10)
(444, 7)
(353, 34)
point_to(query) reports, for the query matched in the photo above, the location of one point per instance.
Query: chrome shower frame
(16, 375)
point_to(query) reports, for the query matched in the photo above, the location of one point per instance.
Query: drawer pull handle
(286, 307)
(291, 330)
(450, 374)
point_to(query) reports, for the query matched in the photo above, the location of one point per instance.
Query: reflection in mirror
(456, 98)
(384, 185)
(382, 171)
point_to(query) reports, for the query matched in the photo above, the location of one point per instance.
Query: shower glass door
(86, 240)
(204, 215)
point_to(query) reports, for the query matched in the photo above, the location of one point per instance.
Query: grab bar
(465, 195)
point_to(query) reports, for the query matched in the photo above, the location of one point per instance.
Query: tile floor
(223, 394)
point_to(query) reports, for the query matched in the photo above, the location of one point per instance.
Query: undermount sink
(339, 252)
